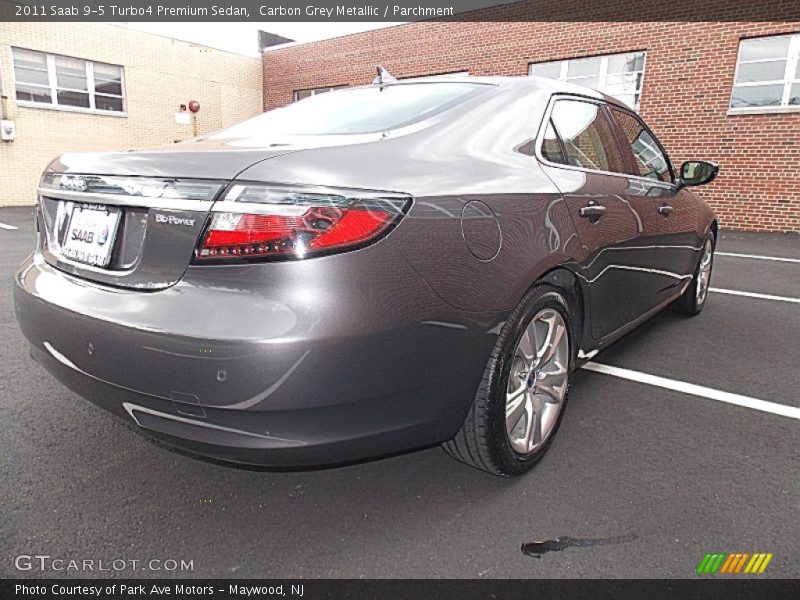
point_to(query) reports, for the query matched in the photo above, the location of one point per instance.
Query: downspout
(3, 97)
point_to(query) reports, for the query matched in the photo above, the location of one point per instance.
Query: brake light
(262, 222)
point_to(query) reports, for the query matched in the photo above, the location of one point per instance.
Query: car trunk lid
(133, 219)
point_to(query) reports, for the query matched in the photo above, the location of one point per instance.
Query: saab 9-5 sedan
(366, 271)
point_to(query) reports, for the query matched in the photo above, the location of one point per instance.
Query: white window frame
(50, 60)
(601, 76)
(788, 80)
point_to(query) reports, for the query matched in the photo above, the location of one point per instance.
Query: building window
(300, 94)
(618, 75)
(767, 74)
(67, 83)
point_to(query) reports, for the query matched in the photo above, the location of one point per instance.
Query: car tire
(489, 440)
(693, 299)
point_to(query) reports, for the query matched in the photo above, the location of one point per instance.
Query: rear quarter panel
(470, 174)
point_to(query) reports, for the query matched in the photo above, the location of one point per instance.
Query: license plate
(90, 235)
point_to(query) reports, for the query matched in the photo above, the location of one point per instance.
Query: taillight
(260, 221)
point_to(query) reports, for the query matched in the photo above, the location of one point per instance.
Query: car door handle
(665, 210)
(593, 211)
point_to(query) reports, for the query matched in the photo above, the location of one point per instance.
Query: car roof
(525, 83)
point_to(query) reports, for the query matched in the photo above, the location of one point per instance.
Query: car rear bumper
(273, 364)
(318, 437)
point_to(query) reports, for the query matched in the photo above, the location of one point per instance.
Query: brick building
(95, 86)
(722, 91)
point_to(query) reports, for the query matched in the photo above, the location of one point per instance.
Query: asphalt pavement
(644, 480)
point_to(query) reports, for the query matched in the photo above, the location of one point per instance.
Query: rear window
(587, 136)
(357, 110)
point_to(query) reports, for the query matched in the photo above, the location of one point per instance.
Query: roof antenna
(383, 78)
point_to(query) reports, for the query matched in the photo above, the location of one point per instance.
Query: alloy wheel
(537, 383)
(704, 273)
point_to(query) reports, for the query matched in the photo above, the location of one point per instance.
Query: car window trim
(543, 127)
(562, 148)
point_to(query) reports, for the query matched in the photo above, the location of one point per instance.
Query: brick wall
(687, 85)
(160, 74)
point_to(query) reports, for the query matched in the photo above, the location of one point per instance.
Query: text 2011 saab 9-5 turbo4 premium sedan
(366, 271)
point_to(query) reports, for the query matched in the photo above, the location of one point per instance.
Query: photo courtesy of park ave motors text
(527, 281)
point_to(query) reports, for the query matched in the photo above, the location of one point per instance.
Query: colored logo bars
(741, 562)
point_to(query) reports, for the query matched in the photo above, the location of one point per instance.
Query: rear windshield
(356, 110)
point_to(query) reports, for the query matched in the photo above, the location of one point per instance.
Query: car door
(580, 152)
(670, 241)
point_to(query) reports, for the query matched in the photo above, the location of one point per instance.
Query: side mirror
(698, 172)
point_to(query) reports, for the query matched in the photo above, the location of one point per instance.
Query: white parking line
(696, 390)
(4, 226)
(755, 295)
(759, 257)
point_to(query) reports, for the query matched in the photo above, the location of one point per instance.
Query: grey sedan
(364, 272)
